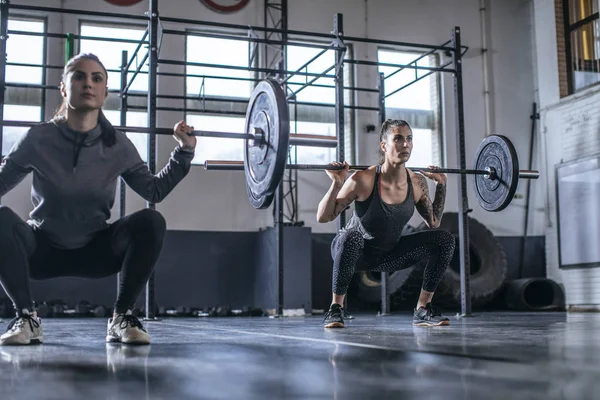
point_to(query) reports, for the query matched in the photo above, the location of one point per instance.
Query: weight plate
(261, 202)
(264, 163)
(497, 152)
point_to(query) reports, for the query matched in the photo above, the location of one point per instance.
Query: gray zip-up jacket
(75, 177)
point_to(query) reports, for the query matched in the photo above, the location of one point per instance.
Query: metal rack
(299, 38)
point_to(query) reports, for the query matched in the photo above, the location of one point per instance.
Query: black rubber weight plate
(499, 153)
(264, 165)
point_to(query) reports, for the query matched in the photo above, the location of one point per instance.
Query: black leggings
(130, 246)
(349, 255)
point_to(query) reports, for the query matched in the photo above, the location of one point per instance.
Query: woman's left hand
(437, 177)
(182, 133)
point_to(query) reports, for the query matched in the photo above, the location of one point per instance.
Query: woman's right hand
(338, 175)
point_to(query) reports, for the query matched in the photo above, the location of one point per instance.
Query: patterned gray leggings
(348, 252)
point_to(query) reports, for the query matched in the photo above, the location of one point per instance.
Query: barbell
(267, 139)
(495, 173)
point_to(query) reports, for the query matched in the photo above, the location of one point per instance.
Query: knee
(351, 240)
(7, 215)
(445, 240)
(151, 222)
(8, 220)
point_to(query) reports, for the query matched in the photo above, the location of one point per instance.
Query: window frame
(437, 127)
(14, 96)
(568, 30)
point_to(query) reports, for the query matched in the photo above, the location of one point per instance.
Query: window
(22, 103)
(140, 140)
(34, 54)
(15, 112)
(110, 53)
(217, 51)
(582, 43)
(417, 103)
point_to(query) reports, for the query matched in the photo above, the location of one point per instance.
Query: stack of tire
(488, 272)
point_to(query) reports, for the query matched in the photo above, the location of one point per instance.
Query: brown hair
(386, 128)
(108, 131)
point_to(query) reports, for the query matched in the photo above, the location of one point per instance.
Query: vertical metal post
(385, 296)
(338, 31)
(122, 122)
(4, 5)
(152, 91)
(463, 200)
(279, 203)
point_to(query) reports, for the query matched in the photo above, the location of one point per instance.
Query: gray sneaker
(22, 330)
(429, 316)
(126, 328)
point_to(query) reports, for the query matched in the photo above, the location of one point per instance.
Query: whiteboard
(578, 213)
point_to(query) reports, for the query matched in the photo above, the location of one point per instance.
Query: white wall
(570, 129)
(511, 84)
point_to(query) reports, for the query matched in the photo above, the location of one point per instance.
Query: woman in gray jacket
(76, 160)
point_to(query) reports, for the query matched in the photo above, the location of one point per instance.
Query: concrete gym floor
(492, 355)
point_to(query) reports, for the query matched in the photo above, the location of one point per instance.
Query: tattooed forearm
(431, 213)
(439, 200)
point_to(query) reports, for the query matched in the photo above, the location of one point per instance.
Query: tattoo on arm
(340, 206)
(439, 200)
(432, 213)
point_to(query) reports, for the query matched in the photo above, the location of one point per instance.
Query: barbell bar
(257, 138)
(239, 166)
(267, 139)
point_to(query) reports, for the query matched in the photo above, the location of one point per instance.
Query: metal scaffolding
(276, 36)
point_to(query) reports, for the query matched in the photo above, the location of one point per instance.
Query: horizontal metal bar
(194, 110)
(233, 26)
(31, 85)
(308, 140)
(235, 67)
(178, 74)
(296, 139)
(244, 38)
(87, 13)
(239, 165)
(64, 36)
(380, 64)
(304, 33)
(529, 174)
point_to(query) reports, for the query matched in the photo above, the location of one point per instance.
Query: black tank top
(382, 223)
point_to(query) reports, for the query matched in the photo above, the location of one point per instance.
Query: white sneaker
(26, 329)
(126, 328)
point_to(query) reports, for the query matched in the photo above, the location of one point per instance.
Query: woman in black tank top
(372, 240)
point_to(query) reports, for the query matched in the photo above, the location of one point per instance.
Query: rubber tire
(488, 266)
(369, 282)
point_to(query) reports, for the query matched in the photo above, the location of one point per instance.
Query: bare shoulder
(364, 181)
(419, 183)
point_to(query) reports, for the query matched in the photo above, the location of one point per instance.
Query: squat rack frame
(153, 20)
